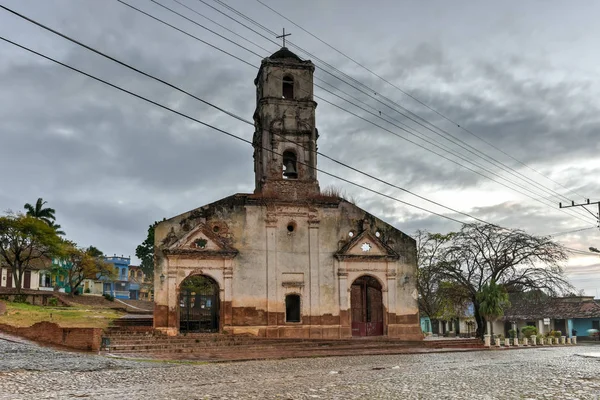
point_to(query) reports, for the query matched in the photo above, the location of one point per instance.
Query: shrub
(557, 334)
(539, 337)
(512, 333)
(53, 301)
(87, 290)
(109, 297)
(529, 331)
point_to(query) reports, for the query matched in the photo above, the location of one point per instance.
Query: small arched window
(290, 168)
(292, 308)
(288, 87)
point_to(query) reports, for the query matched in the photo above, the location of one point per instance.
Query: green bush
(53, 301)
(539, 337)
(512, 333)
(87, 290)
(109, 297)
(529, 330)
(557, 334)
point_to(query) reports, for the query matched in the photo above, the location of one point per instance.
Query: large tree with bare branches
(480, 254)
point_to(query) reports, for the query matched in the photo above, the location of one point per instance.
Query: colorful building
(119, 286)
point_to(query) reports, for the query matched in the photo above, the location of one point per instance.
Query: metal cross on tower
(283, 36)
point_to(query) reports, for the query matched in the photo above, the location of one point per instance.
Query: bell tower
(285, 136)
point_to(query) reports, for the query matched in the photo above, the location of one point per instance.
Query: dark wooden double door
(366, 302)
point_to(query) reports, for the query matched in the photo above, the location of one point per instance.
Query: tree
(430, 256)
(84, 264)
(27, 242)
(479, 254)
(145, 252)
(44, 214)
(493, 300)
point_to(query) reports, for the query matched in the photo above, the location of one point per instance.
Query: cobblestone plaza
(32, 372)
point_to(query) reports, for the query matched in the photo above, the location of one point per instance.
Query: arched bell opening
(287, 89)
(366, 303)
(290, 165)
(199, 305)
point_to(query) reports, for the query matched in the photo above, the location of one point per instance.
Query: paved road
(31, 372)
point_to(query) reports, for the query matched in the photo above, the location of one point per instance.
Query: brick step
(255, 349)
(256, 344)
(273, 354)
(259, 344)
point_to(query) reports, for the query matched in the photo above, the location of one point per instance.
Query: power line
(572, 231)
(221, 130)
(230, 113)
(523, 177)
(354, 114)
(222, 110)
(413, 97)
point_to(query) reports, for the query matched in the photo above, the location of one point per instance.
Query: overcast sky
(522, 76)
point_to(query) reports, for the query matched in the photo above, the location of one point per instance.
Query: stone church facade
(286, 260)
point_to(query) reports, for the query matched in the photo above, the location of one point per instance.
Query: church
(287, 261)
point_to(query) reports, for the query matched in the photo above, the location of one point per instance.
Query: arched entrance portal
(366, 303)
(199, 305)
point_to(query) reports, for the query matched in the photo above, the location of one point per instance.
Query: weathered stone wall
(49, 332)
(273, 262)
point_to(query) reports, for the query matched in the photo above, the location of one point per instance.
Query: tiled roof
(556, 308)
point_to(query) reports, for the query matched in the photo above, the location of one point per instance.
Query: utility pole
(587, 203)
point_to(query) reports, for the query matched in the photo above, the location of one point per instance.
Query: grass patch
(20, 314)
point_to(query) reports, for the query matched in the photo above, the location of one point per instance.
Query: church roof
(284, 53)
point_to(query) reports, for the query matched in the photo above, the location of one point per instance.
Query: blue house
(564, 314)
(119, 287)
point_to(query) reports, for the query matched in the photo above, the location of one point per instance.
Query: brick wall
(51, 333)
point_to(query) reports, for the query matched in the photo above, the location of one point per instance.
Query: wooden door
(27, 280)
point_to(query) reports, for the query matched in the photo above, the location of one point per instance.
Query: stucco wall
(272, 262)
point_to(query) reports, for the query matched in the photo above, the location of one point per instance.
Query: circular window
(291, 227)
(216, 228)
(351, 233)
(378, 234)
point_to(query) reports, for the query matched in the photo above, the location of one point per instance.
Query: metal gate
(367, 307)
(199, 305)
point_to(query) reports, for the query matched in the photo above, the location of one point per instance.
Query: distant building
(119, 287)
(564, 314)
(30, 278)
(140, 285)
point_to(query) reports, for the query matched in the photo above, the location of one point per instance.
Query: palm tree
(45, 214)
(57, 228)
(492, 300)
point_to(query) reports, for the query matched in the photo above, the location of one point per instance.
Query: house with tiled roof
(564, 314)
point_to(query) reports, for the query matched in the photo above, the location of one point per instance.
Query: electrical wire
(231, 114)
(223, 131)
(415, 98)
(358, 116)
(506, 168)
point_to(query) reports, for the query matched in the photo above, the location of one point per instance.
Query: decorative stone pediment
(366, 246)
(202, 243)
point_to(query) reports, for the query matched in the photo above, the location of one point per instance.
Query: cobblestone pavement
(31, 372)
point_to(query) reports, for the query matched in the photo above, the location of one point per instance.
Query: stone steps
(194, 347)
(226, 347)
